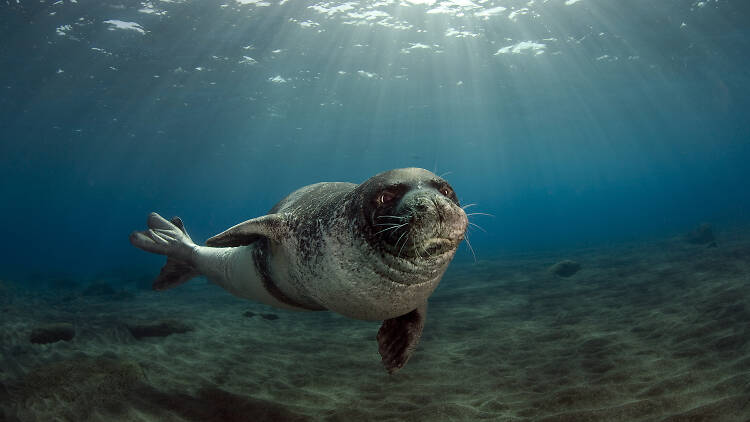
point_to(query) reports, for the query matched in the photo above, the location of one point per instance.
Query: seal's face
(413, 215)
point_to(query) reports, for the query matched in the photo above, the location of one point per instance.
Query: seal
(374, 251)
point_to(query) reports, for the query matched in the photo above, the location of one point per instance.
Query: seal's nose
(422, 205)
(452, 218)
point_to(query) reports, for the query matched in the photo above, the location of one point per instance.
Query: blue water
(574, 123)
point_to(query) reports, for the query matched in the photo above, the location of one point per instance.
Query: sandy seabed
(651, 331)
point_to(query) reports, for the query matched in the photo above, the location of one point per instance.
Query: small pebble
(565, 268)
(52, 333)
(157, 328)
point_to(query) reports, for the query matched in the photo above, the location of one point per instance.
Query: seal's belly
(359, 292)
(378, 303)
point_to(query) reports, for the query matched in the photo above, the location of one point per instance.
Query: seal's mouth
(429, 249)
(437, 245)
(421, 248)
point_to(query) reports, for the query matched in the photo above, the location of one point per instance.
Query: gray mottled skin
(332, 246)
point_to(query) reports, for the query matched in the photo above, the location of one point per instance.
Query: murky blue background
(575, 123)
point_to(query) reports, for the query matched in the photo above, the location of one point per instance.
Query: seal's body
(373, 251)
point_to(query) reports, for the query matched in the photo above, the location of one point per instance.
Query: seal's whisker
(391, 228)
(416, 249)
(469, 205)
(391, 216)
(479, 213)
(477, 226)
(445, 174)
(466, 238)
(402, 246)
(386, 224)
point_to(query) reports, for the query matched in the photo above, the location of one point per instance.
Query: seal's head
(411, 216)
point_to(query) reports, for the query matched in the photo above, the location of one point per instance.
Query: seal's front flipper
(398, 338)
(171, 239)
(271, 226)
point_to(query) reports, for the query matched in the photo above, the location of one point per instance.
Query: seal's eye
(386, 197)
(447, 191)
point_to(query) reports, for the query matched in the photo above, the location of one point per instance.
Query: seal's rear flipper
(398, 338)
(171, 239)
(172, 274)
